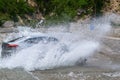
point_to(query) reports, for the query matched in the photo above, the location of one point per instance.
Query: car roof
(20, 39)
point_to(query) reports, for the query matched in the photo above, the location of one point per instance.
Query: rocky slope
(112, 6)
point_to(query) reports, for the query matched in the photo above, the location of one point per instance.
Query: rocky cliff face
(112, 6)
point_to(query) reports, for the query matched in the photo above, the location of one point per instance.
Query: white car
(14, 45)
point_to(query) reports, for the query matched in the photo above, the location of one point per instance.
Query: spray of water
(78, 43)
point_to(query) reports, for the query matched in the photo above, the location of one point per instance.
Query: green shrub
(60, 11)
(60, 7)
(53, 10)
(14, 7)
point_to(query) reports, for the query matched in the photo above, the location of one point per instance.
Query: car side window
(33, 40)
(43, 39)
(52, 39)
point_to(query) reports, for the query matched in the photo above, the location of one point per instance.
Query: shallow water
(56, 62)
(71, 48)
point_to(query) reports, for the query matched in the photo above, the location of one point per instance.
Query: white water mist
(72, 47)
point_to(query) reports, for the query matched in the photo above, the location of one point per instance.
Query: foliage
(57, 8)
(14, 8)
(60, 7)
(53, 10)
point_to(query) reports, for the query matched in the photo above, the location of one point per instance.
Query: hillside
(29, 12)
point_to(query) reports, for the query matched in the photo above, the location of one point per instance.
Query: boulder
(15, 74)
(8, 24)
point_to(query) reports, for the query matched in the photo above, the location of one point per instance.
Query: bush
(60, 11)
(58, 8)
(14, 8)
(53, 10)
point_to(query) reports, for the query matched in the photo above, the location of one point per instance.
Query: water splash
(74, 46)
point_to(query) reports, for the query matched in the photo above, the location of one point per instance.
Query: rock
(112, 43)
(8, 24)
(8, 30)
(112, 6)
(115, 19)
(110, 48)
(115, 31)
(16, 74)
(17, 24)
(116, 22)
(80, 12)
